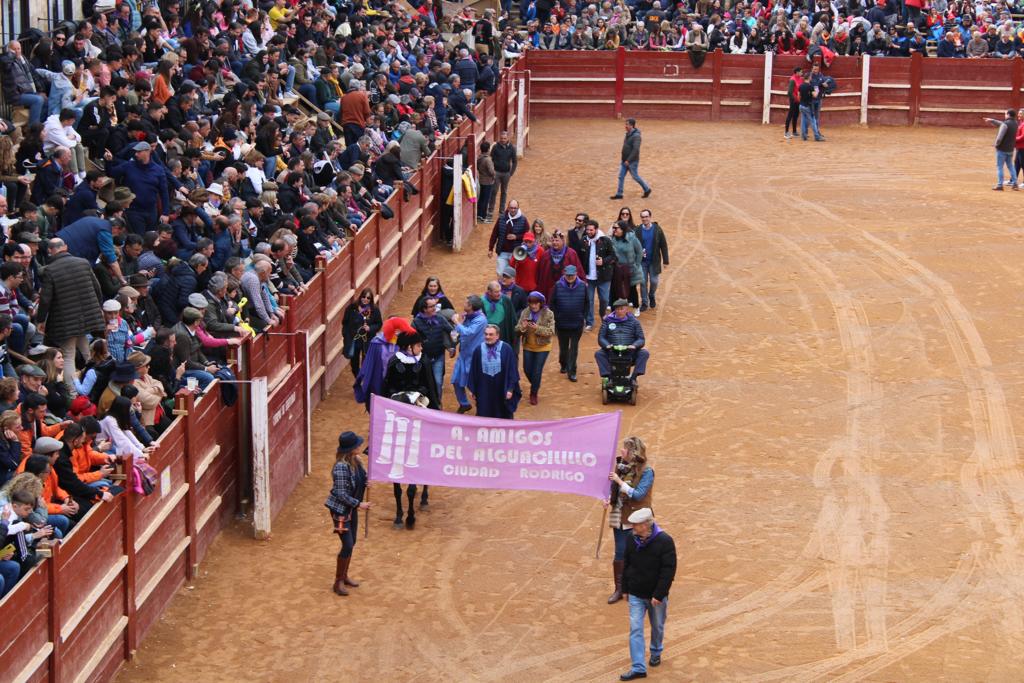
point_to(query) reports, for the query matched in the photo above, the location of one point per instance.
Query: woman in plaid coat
(345, 501)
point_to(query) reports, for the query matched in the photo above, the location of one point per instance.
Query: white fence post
(260, 457)
(865, 83)
(456, 201)
(521, 118)
(766, 112)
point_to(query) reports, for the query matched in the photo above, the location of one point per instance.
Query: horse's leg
(398, 505)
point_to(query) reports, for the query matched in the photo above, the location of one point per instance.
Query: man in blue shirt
(93, 238)
(148, 182)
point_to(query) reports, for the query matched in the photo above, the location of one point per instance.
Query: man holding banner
(494, 377)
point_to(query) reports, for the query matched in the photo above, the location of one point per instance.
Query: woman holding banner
(345, 501)
(632, 489)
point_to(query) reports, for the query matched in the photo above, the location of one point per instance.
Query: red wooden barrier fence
(79, 614)
(871, 90)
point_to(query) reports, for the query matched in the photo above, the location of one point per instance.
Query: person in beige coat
(151, 390)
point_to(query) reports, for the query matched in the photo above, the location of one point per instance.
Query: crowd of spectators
(183, 166)
(844, 27)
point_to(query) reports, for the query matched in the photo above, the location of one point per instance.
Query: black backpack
(103, 372)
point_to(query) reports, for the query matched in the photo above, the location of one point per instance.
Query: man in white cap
(650, 567)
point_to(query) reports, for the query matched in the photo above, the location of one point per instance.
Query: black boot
(424, 504)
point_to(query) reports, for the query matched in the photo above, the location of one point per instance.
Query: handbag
(146, 476)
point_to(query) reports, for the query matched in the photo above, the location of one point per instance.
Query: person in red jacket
(1018, 161)
(526, 270)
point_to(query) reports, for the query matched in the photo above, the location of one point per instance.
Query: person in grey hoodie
(631, 160)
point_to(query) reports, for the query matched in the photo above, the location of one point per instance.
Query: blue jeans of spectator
(437, 367)
(100, 484)
(10, 572)
(1018, 164)
(19, 329)
(483, 200)
(460, 395)
(61, 525)
(334, 107)
(1005, 159)
(807, 118)
(638, 609)
(533, 367)
(289, 81)
(35, 103)
(603, 290)
(308, 90)
(621, 536)
(202, 376)
(269, 166)
(503, 261)
(649, 285)
(631, 168)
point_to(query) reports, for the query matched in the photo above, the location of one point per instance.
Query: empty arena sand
(831, 406)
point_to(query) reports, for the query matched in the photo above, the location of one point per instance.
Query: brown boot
(339, 575)
(344, 577)
(617, 574)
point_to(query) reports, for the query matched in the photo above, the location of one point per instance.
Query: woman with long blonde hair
(632, 489)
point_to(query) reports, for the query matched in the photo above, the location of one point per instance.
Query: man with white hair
(355, 108)
(649, 567)
(467, 70)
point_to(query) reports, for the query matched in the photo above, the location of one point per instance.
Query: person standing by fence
(793, 92)
(505, 159)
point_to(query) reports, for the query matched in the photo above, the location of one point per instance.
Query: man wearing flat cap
(147, 181)
(648, 571)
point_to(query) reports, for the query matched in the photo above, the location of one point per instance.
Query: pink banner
(413, 445)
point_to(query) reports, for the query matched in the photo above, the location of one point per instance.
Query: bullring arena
(830, 406)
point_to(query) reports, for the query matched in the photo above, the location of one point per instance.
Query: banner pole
(600, 533)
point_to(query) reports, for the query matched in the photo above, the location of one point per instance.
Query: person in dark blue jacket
(187, 230)
(459, 99)
(93, 238)
(172, 291)
(84, 197)
(569, 304)
(466, 69)
(147, 180)
(620, 328)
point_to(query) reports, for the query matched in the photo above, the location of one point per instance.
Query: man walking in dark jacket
(631, 159)
(70, 306)
(505, 159)
(648, 571)
(569, 305)
(652, 239)
(1005, 141)
(598, 259)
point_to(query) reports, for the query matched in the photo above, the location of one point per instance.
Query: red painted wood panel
(287, 439)
(25, 621)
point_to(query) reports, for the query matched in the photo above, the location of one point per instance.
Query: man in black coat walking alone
(648, 571)
(631, 160)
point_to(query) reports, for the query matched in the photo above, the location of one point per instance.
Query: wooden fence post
(185, 406)
(865, 85)
(716, 85)
(620, 79)
(766, 108)
(53, 589)
(128, 539)
(916, 74)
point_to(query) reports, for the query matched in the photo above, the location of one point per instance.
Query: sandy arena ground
(830, 406)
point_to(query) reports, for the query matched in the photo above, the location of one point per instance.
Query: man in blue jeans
(1005, 143)
(647, 574)
(598, 258)
(808, 116)
(630, 161)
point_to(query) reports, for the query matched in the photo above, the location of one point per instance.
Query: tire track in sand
(840, 534)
